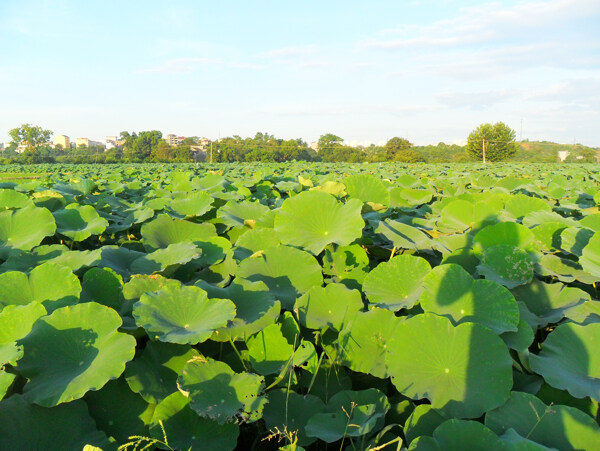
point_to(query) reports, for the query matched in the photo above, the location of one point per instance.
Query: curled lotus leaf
(464, 370)
(72, 351)
(404, 236)
(182, 314)
(314, 219)
(569, 360)
(79, 222)
(25, 228)
(239, 214)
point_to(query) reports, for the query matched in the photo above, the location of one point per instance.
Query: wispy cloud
(188, 65)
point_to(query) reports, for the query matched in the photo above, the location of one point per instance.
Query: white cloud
(188, 65)
(290, 52)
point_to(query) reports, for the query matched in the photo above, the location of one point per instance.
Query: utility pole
(483, 144)
(211, 152)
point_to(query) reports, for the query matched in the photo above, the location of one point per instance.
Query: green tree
(395, 147)
(498, 139)
(32, 136)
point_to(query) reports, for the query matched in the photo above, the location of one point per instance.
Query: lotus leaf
(590, 256)
(521, 205)
(268, 350)
(11, 199)
(218, 393)
(368, 189)
(253, 241)
(563, 269)
(422, 421)
(79, 222)
(403, 236)
(72, 351)
(193, 204)
(25, 228)
(460, 215)
(515, 442)
(313, 220)
(506, 233)
(506, 264)
(569, 360)
(347, 264)
(182, 314)
(464, 370)
(287, 271)
(16, 322)
(558, 427)
(104, 286)
(245, 213)
(549, 234)
(574, 239)
(330, 306)
(397, 283)
(186, 430)
(460, 435)
(450, 291)
(161, 259)
(336, 189)
(164, 230)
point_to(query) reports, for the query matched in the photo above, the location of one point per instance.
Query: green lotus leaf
(218, 393)
(253, 241)
(72, 351)
(291, 411)
(214, 250)
(590, 256)
(104, 286)
(414, 196)
(49, 199)
(346, 264)
(140, 284)
(585, 313)
(79, 222)
(460, 435)
(186, 430)
(555, 426)
(119, 259)
(403, 236)
(330, 306)
(268, 350)
(182, 314)
(506, 233)
(569, 360)
(245, 213)
(464, 370)
(422, 421)
(11, 199)
(507, 265)
(55, 253)
(53, 285)
(542, 217)
(132, 416)
(574, 239)
(364, 341)
(25, 228)
(161, 259)
(164, 231)
(336, 189)
(153, 373)
(591, 222)
(548, 302)
(25, 426)
(563, 269)
(369, 189)
(349, 414)
(397, 283)
(287, 271)
(193, 204)
(521, 339)
(313, 220)
(519, 205)
(451, 292)
(16, 322)
(6, 381)
(515, 442)
(549, 234)
(460, 215)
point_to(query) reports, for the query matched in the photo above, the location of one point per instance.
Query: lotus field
(300, 306)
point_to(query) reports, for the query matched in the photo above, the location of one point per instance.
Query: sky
(428, 71)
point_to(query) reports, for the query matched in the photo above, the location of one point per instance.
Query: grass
(18, 176)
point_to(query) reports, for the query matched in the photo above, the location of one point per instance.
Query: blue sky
(427, 70)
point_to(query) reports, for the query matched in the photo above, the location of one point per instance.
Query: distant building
(174, 140)
(314, 146)
(563, 154)
(63, 141)
(81, 142)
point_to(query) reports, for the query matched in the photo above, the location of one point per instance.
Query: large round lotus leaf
(590, 256)
(287, 271)
(214, 250)
(364, 341)
(72, 351)
(548, 302)
(256, 308)
(461, 435)
(397, 283)
(51, 284)
(506, 264)
(253, 241)
(330, 306)
(161, 259)
(220, 394)
(153, 373)
(451, 291)
(422, 421)
(559, 427)
(10, 199)
(291, 411)
(313, 220)
(548, 234)
(16, 322)
(79, 222)
(460, 215)
(182, 314)
(49, 199)
(569, 360)
(508, 233)
(246, 213)
(368, 189)
(464, 371)
(565, 270)
(193, 204)
(336, 189)
(349, 414)
(164, 230)
(268, 350)
(574, 239)
(515, 442)
(25, 228)
(186, 430)
(520, 205)
(130, 418)
(24, 426)
(104, 286)
(415, 196)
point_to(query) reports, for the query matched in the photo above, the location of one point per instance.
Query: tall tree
(32, 136)
(395, 147)
(498, 139)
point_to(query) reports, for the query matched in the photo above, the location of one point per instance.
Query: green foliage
(498, 139)
(30, 136)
